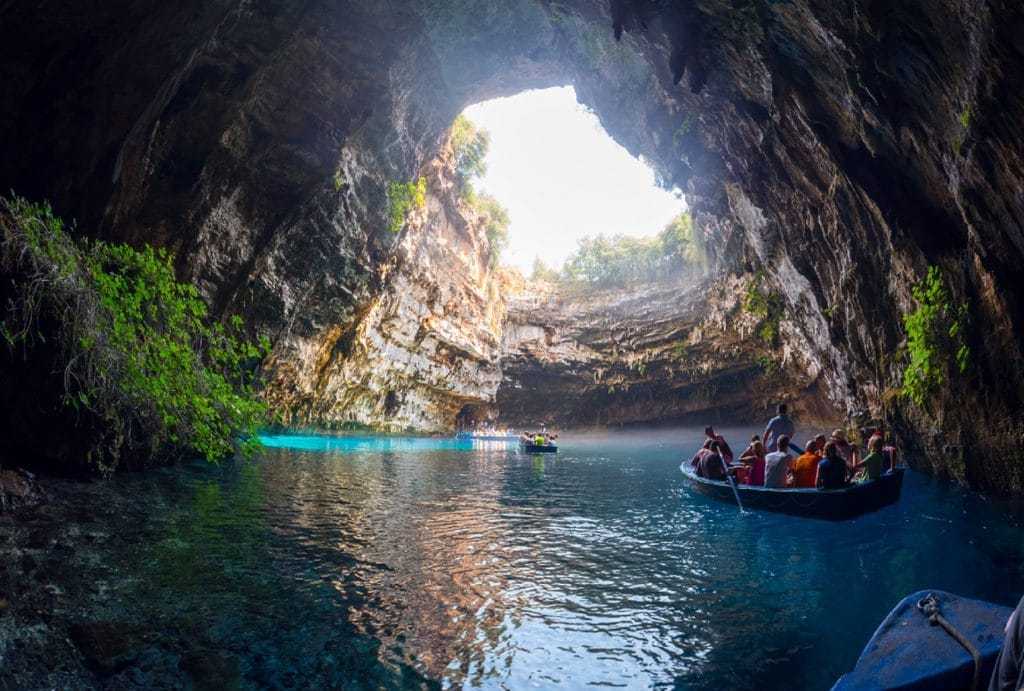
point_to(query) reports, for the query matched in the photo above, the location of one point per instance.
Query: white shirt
(775, 466)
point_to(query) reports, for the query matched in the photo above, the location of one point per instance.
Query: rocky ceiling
(841, 146)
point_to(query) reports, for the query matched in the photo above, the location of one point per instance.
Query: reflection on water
(402, 562)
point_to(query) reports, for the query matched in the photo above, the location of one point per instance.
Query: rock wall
(665, 352)
(839, 147)
(423, 348)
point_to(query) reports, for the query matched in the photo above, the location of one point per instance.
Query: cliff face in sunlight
(424, 347)
(838, 148)
(663, 352)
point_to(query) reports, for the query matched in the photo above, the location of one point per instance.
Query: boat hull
(832, 505)
(908, 653)
(539, 448)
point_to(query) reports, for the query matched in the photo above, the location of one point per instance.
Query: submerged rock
(18, 488)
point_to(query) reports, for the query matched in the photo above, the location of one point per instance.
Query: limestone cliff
(424, 347)
(840, 148)
(675, 351)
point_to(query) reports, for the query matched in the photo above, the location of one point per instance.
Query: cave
(835, 151)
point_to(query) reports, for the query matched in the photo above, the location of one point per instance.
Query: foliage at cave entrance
(470, 146)
(766, 305)
(137, 349)
(403, 198)
(936, 339)
(621, 260)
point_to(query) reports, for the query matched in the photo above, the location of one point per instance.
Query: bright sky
(562, 177)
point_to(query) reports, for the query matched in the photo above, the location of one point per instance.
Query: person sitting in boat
(776, 464)
(804, 470)
(701, 453)
(723, 446)
(873, 464)
(832, 470)
(889, 452)
(753, 458)
(779, 426)
(712, 464)
(847, 450)
(540, 439)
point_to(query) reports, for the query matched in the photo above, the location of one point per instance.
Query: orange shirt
(805, 469)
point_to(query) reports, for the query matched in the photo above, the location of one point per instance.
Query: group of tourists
(538, 438)
(773, 460)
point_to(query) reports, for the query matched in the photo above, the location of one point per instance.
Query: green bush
(542, 272)
(766, 305)
(137, 347)
(470, 146)
(404, 197)
(936, 341)
(496, 222)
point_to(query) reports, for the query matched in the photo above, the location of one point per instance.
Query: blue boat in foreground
(910, 652)
(833, 504)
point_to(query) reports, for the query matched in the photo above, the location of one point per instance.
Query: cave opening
(563, 182)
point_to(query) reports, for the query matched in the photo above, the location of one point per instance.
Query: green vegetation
(965, 125)
(137, 349)
(936, 339)
(541, 272)
(767, 306)
(470, 146)
(769, 365)
(496, 222)
(621, 260)
(404, 197)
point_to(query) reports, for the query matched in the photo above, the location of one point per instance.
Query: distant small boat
(538, 448)
(908, 652)
(832, 505)
(469, 436)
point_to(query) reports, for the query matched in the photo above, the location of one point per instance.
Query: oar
(732, 483)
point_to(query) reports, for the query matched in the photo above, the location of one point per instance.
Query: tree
(470, 145)
(622, 260)
(496, 222)
(542, 272)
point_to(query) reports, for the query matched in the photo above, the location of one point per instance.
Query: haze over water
(395, 561)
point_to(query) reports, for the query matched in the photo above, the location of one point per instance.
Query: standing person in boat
(804, 470)
(776, 464)
(779, 426)
(832, 469)
(753, 458)
(723, 446)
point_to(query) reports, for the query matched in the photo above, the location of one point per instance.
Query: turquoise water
(390, 562)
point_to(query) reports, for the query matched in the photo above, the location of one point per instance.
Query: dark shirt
(710, 466)
(831, 474)
(1008, 672)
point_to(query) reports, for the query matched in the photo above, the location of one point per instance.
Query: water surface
(390, 562)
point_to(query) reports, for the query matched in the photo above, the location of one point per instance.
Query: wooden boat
(538, 448)
(833, 505)
(909, 653)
